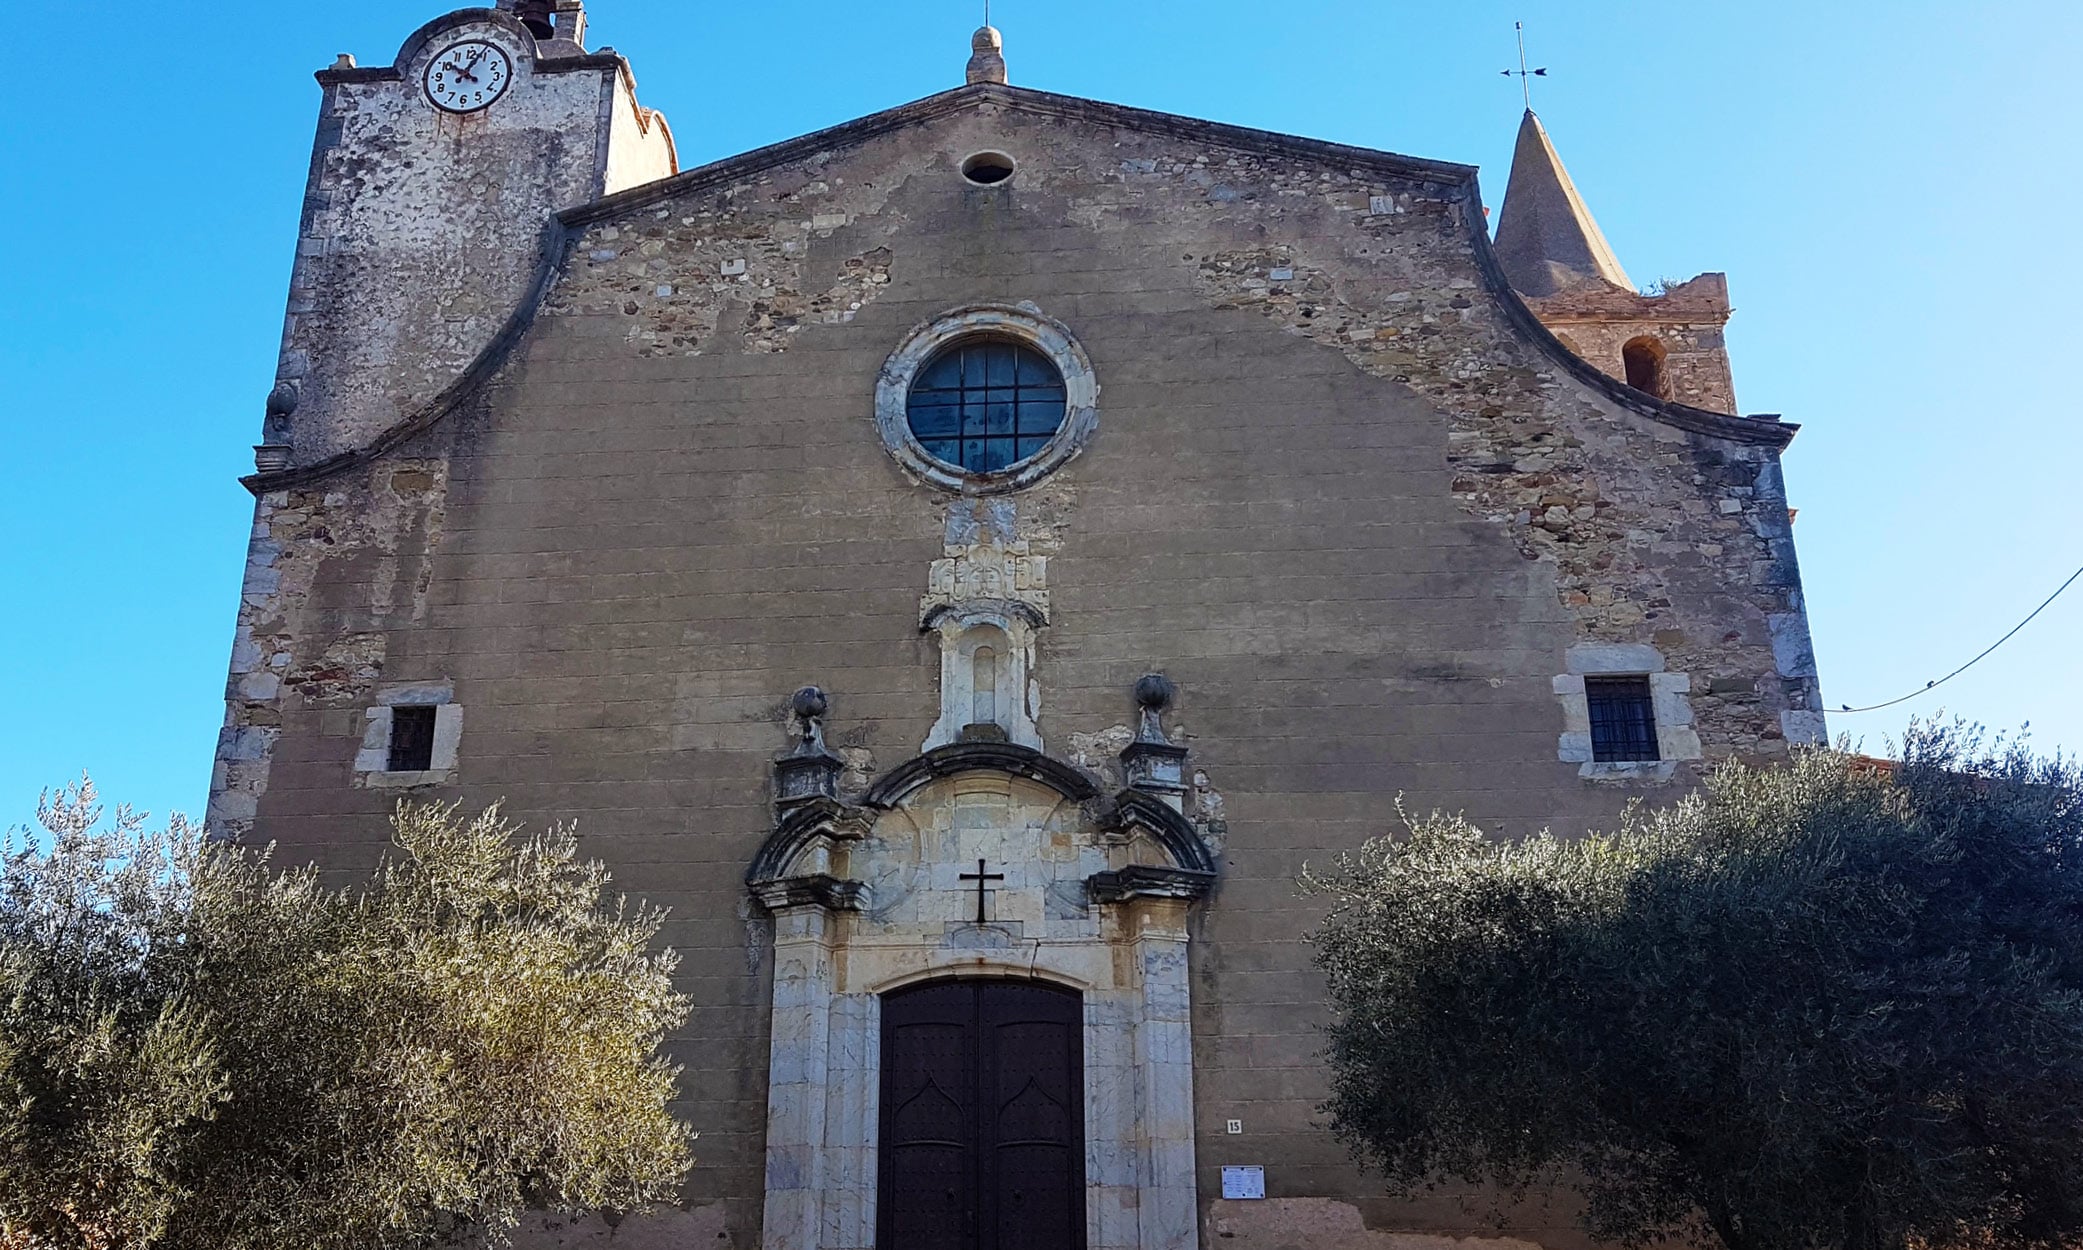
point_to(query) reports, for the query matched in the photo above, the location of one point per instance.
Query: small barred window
(1623, 719)
(984, 406)
(412, 739)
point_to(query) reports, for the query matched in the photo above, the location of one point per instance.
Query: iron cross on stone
(982, 879)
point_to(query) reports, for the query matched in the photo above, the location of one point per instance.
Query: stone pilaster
(798, 1078)
(1164, 1064)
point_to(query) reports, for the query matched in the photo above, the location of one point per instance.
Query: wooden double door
(983, 1118)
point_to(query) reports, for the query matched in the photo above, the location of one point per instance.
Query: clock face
(465, 77)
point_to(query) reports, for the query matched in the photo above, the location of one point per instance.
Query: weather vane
(1523, 74)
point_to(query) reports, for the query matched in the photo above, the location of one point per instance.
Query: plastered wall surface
(1335, 492)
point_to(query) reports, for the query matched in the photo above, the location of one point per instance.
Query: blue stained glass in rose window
(985, 406)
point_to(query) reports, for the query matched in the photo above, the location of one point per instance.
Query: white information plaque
(1244, 1182)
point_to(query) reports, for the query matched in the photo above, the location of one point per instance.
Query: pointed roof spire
(1546, 238)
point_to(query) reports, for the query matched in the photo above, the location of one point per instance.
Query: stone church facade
(965, 563)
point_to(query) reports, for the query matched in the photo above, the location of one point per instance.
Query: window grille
(1623, 719)
(412, 739)
(985, 406)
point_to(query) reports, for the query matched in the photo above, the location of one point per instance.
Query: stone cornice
(819, 890)
(1145, 881)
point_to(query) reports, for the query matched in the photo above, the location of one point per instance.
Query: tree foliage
(1821, 1005)
(197, 1050)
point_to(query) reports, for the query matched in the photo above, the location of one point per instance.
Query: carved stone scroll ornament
(794, 867)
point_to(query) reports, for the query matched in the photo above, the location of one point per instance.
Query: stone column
(797, 1077)
(1164, 1059)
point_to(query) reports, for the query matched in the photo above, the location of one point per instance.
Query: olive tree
(200, 1050)
(1820, 1005)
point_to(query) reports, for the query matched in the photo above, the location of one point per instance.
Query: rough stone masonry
(592, 459)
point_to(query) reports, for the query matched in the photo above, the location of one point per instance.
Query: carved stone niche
(1086, 890)
(987, 692)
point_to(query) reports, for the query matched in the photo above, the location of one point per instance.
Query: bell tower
(429, 214)
(1668, 344)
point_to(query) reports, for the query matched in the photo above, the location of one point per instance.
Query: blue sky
(1891, 188)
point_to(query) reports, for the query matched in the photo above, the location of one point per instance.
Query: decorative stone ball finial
(987, 60)
(810, 706)
(1152, 763)
(274, 452)
(1154, 693)
(282, 401)
(809, 772)
(810, 703)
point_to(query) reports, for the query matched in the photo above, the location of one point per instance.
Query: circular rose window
(986, 399)
(984, 405)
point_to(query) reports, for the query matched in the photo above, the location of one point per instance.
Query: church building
(965, 563)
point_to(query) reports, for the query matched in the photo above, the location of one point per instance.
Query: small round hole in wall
(988, 168)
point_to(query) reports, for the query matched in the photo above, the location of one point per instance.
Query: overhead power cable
(1933, 685)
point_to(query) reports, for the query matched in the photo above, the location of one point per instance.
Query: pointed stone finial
(987, 59)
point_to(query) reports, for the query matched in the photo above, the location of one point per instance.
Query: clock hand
(462, 72)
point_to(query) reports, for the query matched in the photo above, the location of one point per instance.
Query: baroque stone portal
(1078, 889)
